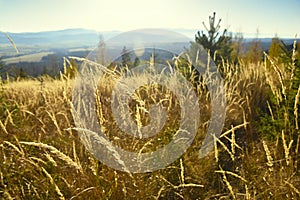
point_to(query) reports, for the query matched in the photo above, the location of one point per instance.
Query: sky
(269, 17)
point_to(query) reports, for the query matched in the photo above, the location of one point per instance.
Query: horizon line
(178, 30)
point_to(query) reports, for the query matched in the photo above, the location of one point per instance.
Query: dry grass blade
(106, 70)
(271, 111)
(279, 73)
(53, 118)
(293, 187)
(234, 128)
(248, 196)
(55, 151)
(12, 42)
(88, 135)
(51, 160)
(233, 143)
(269, 156)
(182, 184)
(296, 108)
(82, 192)
(293, 61)
(20, 151)
(77, 160)
(181, 171)
(61, 196)
(9, 119)
(100, 111)
(227, 183)
(225, 147)
(232, 174)
(37, 159)
(286, 148)
(232, 140)
(188, 185)
(216, 150)
(159, 193)
(7, 196)
(270, 81)
(3, 127)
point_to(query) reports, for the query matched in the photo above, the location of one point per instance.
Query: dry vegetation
(42, 156)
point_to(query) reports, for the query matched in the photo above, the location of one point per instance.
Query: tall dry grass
(42, 156)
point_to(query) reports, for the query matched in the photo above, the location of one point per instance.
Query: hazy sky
(269, 16)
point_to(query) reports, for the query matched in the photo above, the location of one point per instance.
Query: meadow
(36, 57)
(256, 156)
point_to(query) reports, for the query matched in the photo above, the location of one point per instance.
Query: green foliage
(2, 68)
(126, 59)
(284, 99)
(275, 49)
(2, 64)
(21, 74)
(72, 70)
(237, 48)
(188, 71)
(218, 45)
(136, 62)
(255, 53)
(282, 53)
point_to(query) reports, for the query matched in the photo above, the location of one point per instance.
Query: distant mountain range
(68, 38)
(82, 37)
(71, 38)
(84, 40)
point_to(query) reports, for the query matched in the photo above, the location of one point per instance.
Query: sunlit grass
(42, 157)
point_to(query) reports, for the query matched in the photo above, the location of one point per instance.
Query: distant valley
(37, 50)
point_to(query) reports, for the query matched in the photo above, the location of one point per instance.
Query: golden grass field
(42, 157)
